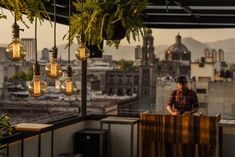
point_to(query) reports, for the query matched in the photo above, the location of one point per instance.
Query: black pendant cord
(15, 18)
(54, 23)
(82, 34)
(69, 32)
(36, 48)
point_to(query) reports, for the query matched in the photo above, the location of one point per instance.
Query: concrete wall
(63, 142)
(221, 97)
(163, 92)
(228, 141)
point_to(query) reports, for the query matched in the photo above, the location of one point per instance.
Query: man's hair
(181, 79)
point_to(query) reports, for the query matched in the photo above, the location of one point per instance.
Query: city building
(45, 54)
(138, 55)
(122, 83)
(209, 67)
(29, 44)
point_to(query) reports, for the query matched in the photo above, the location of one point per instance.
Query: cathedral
(177, 62)
(178, 52)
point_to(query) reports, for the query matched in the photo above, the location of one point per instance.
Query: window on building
(170, 68)
(202, 105)
(201, 65)
(136, 80)
(201, 90)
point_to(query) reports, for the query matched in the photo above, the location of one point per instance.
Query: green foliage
(98, 15)
(20, 76)
(30, 8)
(126, 65)
(232, 66)
(23, 76)
(5, 127)
(30, 74)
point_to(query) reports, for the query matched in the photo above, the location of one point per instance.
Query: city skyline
(161, 36)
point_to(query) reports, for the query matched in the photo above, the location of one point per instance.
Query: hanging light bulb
(53, 69)
(37, 87)
(15, 50)
(68, 87)
(82, 52)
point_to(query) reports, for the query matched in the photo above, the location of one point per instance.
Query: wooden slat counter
(179, 136)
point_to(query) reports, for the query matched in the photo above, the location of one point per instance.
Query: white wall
(206, 71)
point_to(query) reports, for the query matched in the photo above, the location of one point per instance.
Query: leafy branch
(30, 8)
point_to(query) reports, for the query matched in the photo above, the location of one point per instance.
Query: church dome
(148, 33)
(177, 47)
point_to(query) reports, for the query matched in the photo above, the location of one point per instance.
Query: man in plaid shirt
(182, 100)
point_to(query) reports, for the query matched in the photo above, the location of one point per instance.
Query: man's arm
(171, 110)
(169, 107)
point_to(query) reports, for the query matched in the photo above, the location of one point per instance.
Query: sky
(161, 36)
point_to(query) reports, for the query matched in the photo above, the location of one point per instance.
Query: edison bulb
(82, 52)
(53, 69)
(37, 87)
(16, 50)
(68, 87)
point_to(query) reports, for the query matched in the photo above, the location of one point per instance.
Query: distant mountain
(123, 52)
(196, 47)
(228, 45)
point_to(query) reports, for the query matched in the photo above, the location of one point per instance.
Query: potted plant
(5, 128)
(98, 19)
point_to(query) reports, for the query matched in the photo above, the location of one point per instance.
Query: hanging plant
(100, 18)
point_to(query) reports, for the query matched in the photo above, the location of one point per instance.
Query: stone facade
(122, 83)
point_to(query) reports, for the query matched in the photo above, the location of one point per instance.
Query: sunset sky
(161, 36)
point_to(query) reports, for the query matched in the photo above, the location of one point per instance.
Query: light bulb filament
(16, 50)
(37, 88)
(69, 86)
(53, 69)
(83, 52)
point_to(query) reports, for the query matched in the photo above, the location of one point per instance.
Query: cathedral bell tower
(148, 56)
(147, 83)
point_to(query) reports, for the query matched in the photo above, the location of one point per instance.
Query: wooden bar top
(120, 120)
(31, 127)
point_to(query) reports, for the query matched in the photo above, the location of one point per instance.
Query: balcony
(63, 132)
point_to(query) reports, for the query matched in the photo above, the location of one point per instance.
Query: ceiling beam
(195, 2)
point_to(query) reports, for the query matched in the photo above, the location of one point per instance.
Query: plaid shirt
(183, 101)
